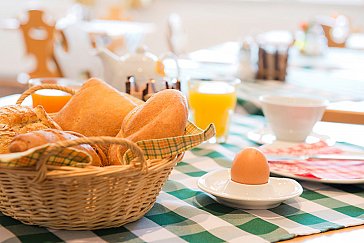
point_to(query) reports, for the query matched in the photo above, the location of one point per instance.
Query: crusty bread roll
(163, 115)
(29, 140)
(97, 109)
(15, 119)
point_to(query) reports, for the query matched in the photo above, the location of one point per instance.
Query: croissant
(163, 115)
(29, 140)
(15, 120)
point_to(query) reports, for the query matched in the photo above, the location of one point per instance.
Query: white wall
(207, 22)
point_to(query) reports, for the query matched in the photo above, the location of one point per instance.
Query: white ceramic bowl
(292, 118)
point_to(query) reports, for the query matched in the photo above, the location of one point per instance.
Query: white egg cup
(269, 195)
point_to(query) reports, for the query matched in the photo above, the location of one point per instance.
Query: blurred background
(188, 29)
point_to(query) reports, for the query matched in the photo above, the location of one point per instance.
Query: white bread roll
(97, 109)
(164, 115)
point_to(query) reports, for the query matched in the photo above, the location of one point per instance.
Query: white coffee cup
(292, 118)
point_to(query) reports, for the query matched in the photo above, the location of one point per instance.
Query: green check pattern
(183, 213)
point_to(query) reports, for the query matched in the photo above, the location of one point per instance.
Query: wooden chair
(331, 24)
(39, 40)
(330, 40)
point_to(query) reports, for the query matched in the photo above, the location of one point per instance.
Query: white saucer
(236, 195)
(266, 136)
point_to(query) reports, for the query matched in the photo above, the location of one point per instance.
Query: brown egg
(250, 166)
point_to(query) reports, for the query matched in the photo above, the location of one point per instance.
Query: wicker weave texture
(83, 198)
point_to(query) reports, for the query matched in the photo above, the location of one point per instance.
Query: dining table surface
(185, 213)
(336, 75)
(330, 211)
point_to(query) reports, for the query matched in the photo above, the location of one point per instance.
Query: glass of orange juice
(213, 102)
(52, 100)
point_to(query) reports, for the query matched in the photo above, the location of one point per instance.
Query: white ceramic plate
(266, 136)
(236, 195)
(285, 173)
(328, 181)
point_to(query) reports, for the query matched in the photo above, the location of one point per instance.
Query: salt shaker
(246, 69)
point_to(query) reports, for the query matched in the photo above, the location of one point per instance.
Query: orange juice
(51, 100)
(212, 102)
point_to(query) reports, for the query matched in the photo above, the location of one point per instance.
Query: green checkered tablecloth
(183, 213)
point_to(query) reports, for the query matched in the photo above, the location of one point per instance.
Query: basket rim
(130, 170)
(139, 163)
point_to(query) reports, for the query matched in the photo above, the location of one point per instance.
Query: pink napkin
(315, 168)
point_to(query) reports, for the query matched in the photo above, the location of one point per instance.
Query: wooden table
(10, 86)
(351, 234)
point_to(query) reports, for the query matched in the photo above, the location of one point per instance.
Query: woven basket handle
(42, 168)
(43, 86)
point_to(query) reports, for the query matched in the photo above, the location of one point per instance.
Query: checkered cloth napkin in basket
(168, 147)
(320, 169)
(153, 149)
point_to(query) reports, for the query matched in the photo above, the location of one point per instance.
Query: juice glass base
(215, 139)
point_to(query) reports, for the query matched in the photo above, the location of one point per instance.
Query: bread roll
(15, 120)
(163, 115)
(135, 99)
(29, 140)
(97, 109)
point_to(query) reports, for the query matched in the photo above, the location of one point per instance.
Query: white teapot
(142, 65)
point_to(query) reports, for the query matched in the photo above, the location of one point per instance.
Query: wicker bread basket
(88, 198)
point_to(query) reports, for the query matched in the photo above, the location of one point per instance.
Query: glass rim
(232, 81)
(34, 81)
